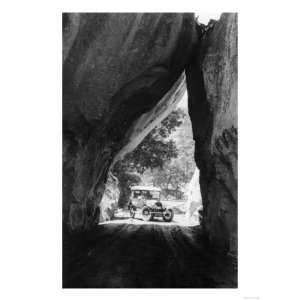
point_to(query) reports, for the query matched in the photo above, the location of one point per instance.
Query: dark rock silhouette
(212, 89)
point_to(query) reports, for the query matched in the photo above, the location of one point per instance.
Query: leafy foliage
(171, 177)
(151, 154)
(178, 171)
(154, 152)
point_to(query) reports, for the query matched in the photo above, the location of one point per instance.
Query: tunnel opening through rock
(159, 171)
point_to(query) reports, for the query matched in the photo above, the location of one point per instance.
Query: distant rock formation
(194, 199)
(109, 201)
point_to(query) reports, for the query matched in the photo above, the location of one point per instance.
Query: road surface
(134, 255)
(123, 217)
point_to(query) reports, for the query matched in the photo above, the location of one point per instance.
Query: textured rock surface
(212, 89)
(116, 68)
(109, 201)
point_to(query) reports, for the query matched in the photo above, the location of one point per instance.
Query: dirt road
(129, 255)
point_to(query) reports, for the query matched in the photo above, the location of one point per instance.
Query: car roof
(145, 188)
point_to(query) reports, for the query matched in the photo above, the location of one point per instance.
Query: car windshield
(146, 194)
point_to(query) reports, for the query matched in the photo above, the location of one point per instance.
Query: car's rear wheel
(146, 214)
(168, 215)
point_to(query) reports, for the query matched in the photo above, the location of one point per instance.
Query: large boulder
(117, 67)
(212, 90)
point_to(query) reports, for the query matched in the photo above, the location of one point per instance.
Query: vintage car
(146, 199)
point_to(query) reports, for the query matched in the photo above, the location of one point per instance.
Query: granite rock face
(212, 90)
(116, 68)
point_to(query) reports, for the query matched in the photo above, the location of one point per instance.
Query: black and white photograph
(149, 150)
(150, 143)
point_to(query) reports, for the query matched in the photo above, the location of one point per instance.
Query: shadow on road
(131, 255)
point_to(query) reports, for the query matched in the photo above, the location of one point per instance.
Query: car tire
(168, 215)
(146, 214)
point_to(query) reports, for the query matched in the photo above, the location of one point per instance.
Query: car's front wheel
(146, 214)
(168, 215)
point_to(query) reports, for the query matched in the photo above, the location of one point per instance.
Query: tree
(172, 176)
(178, 171)
(152, 153)
(126, 179)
